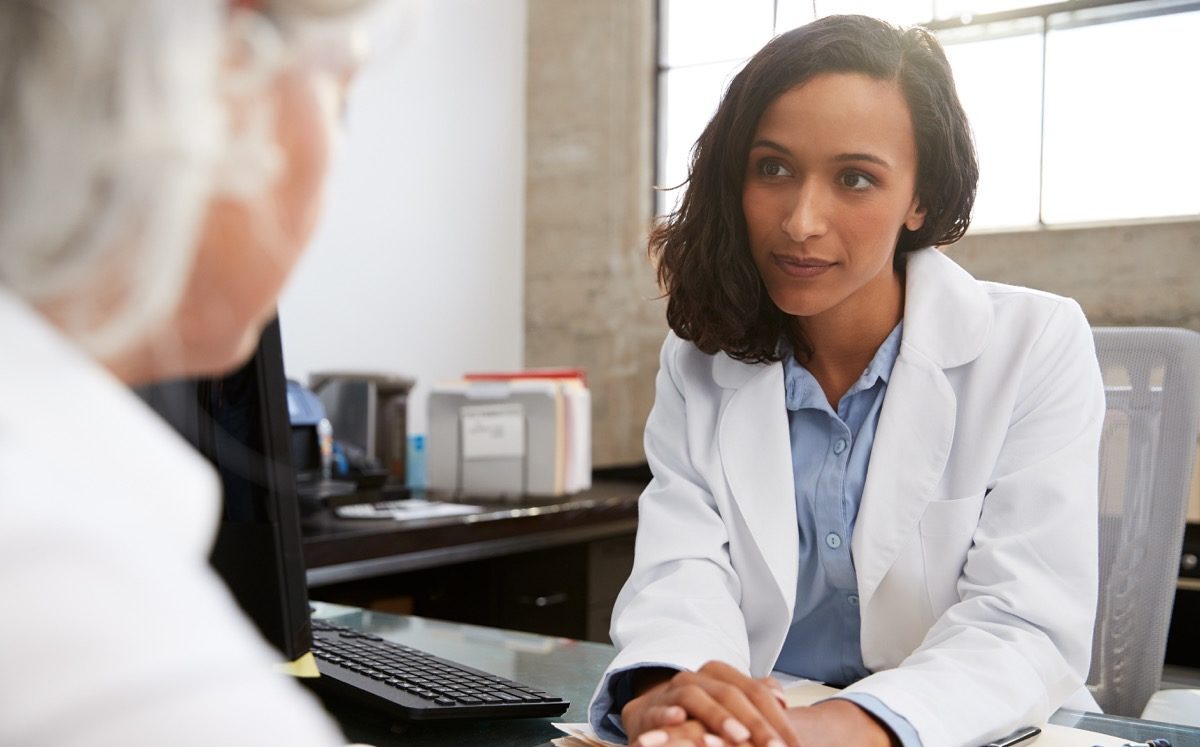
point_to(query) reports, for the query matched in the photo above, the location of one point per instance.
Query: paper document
(1054, 735)
(404, 510)
(806, 692)
(579, 735)
(511, 434)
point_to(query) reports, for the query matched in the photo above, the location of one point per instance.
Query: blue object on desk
(415, 477)
(304, 407)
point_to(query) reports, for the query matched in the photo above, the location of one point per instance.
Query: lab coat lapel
(756, 457)
(948, 319)
(912, 444)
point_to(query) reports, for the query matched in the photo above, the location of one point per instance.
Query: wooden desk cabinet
(550, 566)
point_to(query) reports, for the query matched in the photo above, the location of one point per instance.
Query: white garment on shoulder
(115, 630)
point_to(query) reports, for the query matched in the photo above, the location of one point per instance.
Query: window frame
(1085, 12)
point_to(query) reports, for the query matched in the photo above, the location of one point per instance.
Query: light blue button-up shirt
(830, 454)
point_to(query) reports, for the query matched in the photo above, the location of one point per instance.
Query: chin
(219, 357)
(800, 305)
(186, 354)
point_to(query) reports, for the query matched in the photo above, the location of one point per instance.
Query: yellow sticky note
(305, 666)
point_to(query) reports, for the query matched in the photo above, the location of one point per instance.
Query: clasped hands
(718, 706)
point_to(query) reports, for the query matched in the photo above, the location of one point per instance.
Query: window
(1080, 115)
(702, 44)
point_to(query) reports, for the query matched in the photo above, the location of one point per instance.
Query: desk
(563, 666)
(338, 550)
(1129, 728)
(571, 669)
(549, 565)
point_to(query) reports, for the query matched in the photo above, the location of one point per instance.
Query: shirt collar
(801, 389)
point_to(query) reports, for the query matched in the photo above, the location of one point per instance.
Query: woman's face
(830, 181)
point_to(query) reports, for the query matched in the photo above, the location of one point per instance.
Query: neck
(845, 338)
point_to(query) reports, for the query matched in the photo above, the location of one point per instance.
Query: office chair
(1147, 454)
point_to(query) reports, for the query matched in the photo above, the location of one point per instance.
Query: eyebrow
(840, 158)
(869, 158)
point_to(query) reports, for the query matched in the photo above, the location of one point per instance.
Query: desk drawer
(544, 591)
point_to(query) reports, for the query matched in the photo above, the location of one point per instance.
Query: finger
(705, 699)
(730, 674)
(775, 726)
(687, 734)
(726, 673)
(760, 693)
(638, 715)
(655, 738)
(664, 715)
(751, 711)
(765, 716)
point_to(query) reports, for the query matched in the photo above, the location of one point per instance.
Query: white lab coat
(975, 547)
(114, 629)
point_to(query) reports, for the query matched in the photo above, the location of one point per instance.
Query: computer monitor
(240, 423)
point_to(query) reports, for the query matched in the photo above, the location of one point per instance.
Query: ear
(916, 216)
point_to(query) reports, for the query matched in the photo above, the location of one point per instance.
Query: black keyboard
(410, 684)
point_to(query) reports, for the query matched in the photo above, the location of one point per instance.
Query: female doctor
(870, 469)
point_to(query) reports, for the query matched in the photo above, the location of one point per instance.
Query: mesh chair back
(1152, 388)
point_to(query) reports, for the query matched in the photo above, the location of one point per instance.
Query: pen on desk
(1149, 743)
(1020, 735)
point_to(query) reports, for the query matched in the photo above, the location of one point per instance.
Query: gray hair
(113, 138)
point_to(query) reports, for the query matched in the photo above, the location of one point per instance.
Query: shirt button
(839, 446)
(833, 540)
(853, 600)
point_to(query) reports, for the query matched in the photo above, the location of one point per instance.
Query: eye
(773, 168)
(856, 181)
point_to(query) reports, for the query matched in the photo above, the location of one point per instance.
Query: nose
(806, 216)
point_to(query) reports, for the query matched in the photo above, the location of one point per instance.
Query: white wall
(416, 268)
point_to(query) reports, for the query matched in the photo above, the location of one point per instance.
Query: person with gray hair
(161, 164)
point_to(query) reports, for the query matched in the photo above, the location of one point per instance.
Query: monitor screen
(240, 423)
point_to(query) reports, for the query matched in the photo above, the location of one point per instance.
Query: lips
(801, 267)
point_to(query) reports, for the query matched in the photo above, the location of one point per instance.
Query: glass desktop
(571, 669)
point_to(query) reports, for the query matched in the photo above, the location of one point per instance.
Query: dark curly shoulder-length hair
(716, 298)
